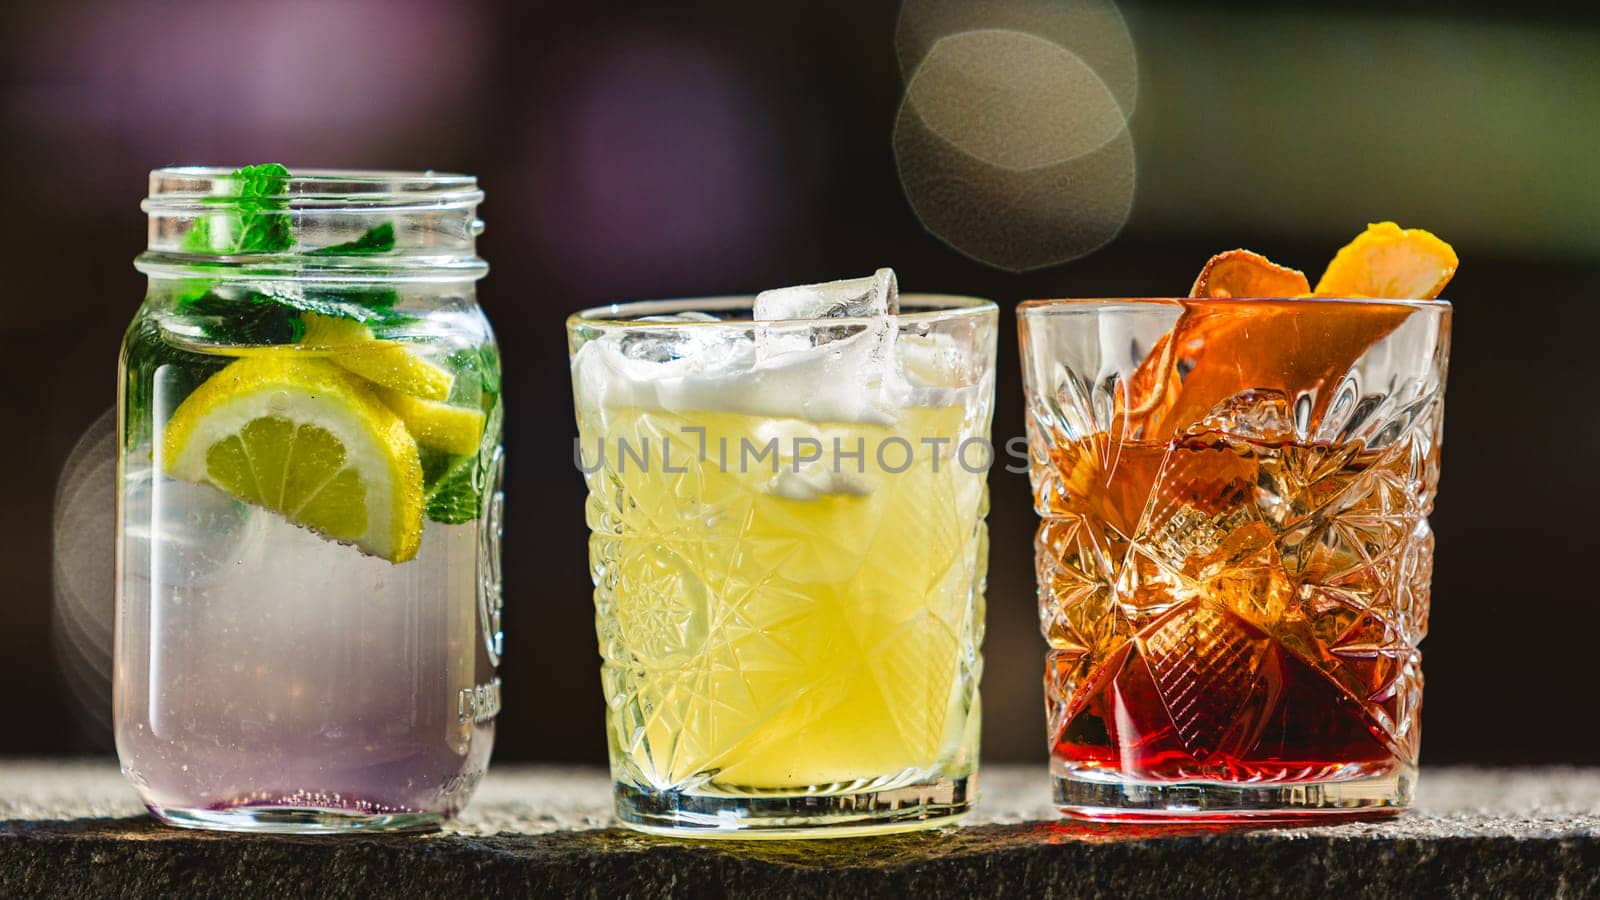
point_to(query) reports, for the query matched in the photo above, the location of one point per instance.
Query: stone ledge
(74, 829)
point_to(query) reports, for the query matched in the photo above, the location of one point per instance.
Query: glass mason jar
(788, 550)
(308, 569)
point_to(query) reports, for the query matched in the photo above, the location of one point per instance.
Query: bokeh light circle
(1092, 29)
(1013, 100)
(1013, 151)
(84, 544)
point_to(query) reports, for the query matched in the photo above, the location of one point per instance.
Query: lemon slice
(387, 363)
(454, 429)
(302, 437)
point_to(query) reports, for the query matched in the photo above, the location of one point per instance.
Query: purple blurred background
(722, 147)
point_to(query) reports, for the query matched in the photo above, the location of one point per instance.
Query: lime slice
(388, 363)
(454, 429)
(304, 438)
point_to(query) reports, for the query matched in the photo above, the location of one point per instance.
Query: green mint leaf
(435, 463)
(480, 364)
(321, 302)
(262, 180)
(377, 239)
(253, 220)
(255, 211)
(198, 238)
(234, 316)
(489, 366)
(148, 352)
(273, 315)
(373, 307)
(449, 488)
(375, 299)
(262, 226)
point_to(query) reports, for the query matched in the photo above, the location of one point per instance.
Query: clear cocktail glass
(1235, 556)
(788, 553)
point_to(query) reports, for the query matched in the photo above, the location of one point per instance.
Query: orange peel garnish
(1241, 273)
(1222, 347)
(1389, 262)
(1231, 274)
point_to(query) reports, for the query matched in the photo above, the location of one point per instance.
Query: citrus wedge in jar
(388, 363)
(443, 426)
(308, 440)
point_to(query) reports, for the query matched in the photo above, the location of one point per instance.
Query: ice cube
(1255, 415)
(813, 481)
(1201, 517)
(663, 345)
(196, 534)
(870, 297)
(811, 461)
(854, 362)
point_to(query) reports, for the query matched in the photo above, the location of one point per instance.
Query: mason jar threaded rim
(177, 187)
(433, 217)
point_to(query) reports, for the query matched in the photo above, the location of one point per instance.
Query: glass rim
(931, 308)
(182, 187)
(1046, 305)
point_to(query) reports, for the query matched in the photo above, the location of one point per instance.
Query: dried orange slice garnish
(1390, 262)
(1218, 348)
(1224, 347)
(1240, 273)
(1228, 275)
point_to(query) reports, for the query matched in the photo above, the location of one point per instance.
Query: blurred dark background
(721, 147)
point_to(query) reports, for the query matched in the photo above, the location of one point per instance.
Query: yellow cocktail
(789, 604)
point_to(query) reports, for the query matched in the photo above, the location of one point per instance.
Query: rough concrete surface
(74, 829)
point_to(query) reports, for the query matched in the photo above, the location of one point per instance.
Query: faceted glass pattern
(789, 645)
(1234, 557)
